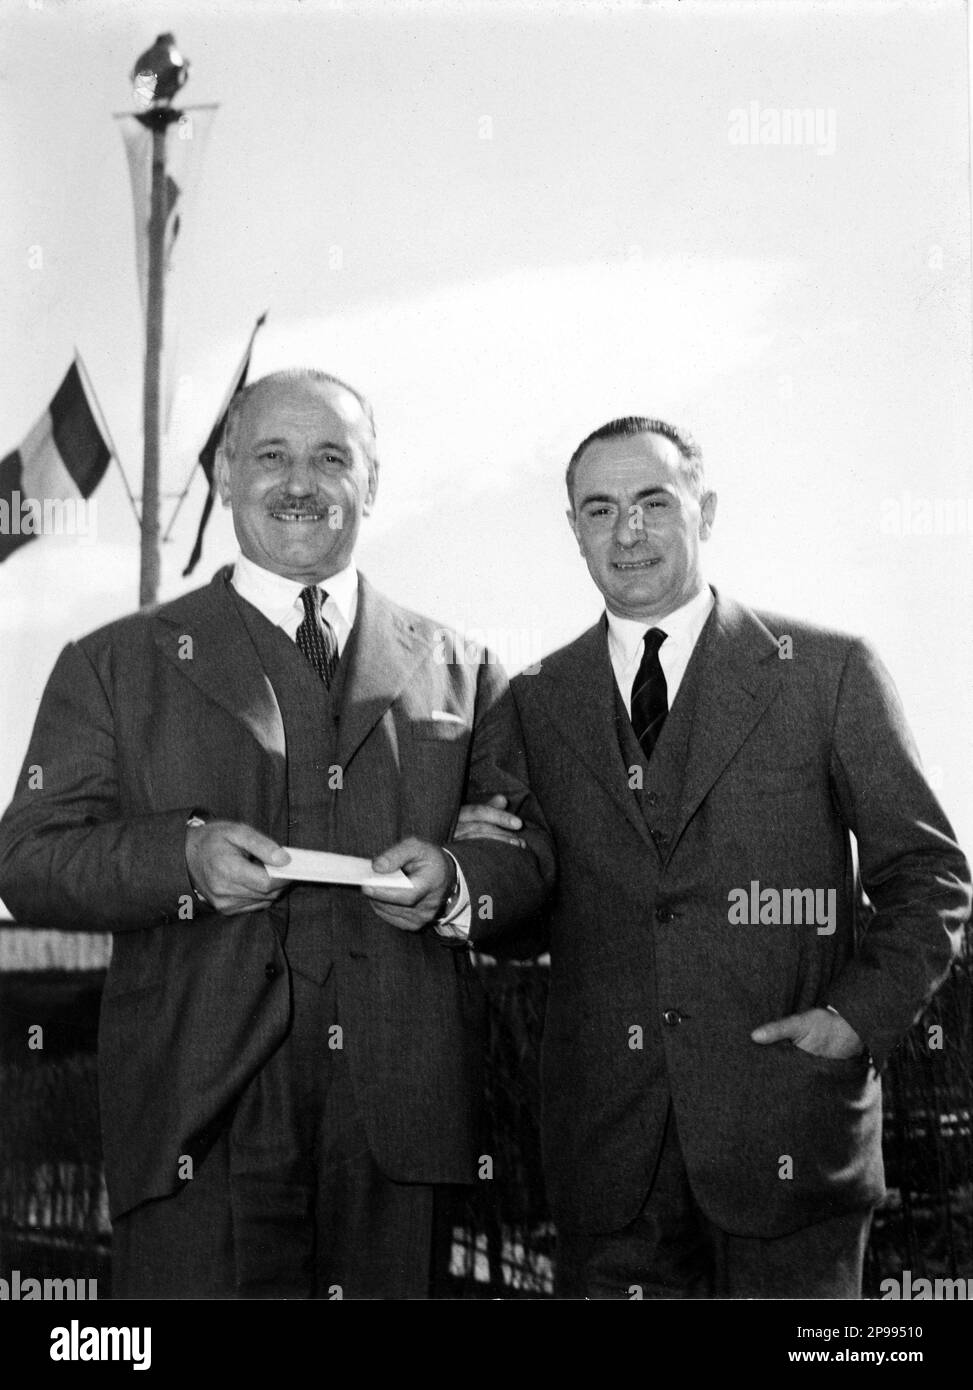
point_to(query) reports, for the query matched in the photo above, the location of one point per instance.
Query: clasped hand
(226, 862)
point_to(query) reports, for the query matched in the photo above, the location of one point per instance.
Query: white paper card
(318, 866)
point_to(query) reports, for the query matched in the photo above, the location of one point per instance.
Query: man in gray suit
(716, 1028)
(286, 1072)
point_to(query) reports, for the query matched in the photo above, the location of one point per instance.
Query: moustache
(304, 507)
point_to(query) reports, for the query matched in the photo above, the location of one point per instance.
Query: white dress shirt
(279, 600)
(682, 628)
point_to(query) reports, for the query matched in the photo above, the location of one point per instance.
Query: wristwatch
(449, 906)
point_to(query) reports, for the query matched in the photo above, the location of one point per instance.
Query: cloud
(477, 384)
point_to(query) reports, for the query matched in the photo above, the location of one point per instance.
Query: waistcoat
(305, 917)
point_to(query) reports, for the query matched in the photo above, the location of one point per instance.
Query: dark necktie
(315, 636)
(650, 698)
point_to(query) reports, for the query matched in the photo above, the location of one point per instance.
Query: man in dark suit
(286, 1072)
(715, 1030)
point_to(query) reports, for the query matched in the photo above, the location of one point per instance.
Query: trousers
(288, 1202)
(672, 1250)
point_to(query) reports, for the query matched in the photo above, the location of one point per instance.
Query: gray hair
(235, 409)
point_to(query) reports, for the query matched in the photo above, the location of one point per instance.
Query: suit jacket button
(271, 971)
(653, 798)
(672, 1018)
(662, 914)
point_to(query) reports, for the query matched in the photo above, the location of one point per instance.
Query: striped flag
(207, 455)
(57, 467)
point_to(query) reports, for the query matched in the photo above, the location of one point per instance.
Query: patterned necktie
(315, 636)
(650, 697)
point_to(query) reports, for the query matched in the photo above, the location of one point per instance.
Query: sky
(508, 223)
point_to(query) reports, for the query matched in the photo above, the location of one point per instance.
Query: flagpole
(157, 76)
(154, 317)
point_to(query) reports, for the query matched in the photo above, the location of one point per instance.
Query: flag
(207, 455)
(184, 148)
(61, 461)
(185, 144)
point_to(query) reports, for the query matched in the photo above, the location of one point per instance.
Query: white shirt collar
(277, 597)
(682, 628)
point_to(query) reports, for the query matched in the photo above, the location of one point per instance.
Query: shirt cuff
(455, 925)
(197, 818)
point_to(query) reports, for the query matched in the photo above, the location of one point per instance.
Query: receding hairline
(310, 377)
(637, 427)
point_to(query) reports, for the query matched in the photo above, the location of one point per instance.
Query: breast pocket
(436, 731)
(778, 778)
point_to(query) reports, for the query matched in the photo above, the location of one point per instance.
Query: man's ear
(573, 523)
(221, 472)
(369, 502)
(707, 515)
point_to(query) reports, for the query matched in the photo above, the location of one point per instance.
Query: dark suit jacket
(169, 710)
(769, 766)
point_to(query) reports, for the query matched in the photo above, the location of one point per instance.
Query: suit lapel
(383, 651)
(737, 681)
(221, 661)
(582, 703)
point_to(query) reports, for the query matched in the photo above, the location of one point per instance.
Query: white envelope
(318, 866)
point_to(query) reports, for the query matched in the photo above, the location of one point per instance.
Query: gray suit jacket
(169, 710)
(765, 770)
